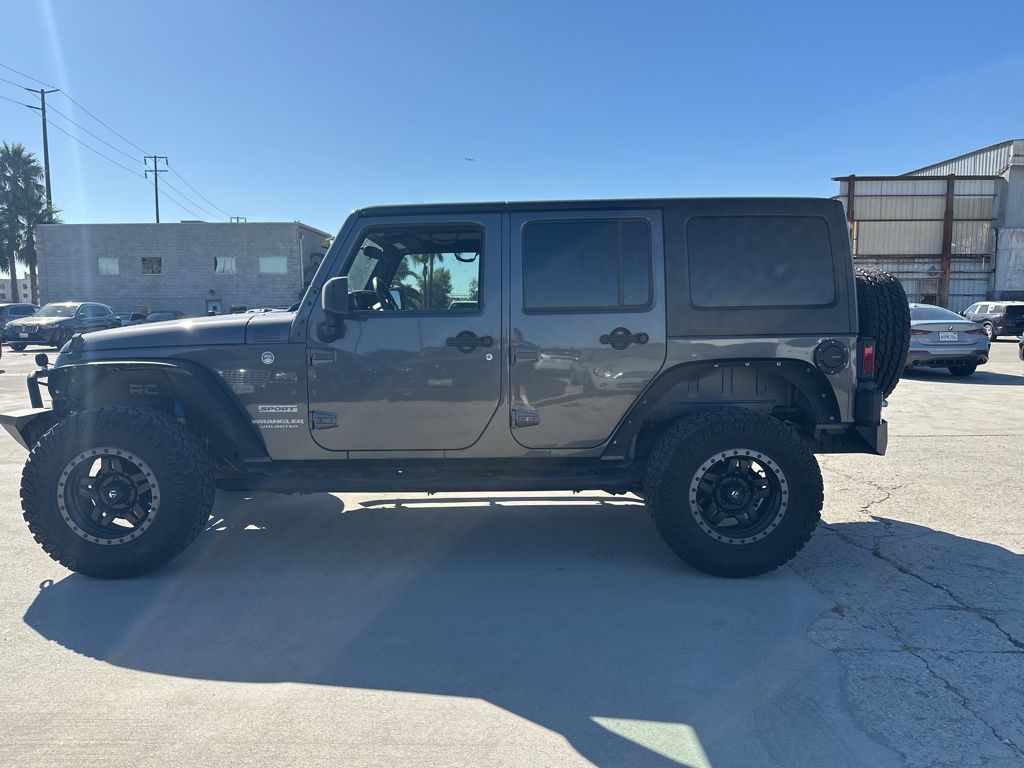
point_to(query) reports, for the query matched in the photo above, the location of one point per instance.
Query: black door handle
(467, 341)
(621, 338)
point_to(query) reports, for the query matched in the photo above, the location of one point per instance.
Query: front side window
(108, 265)
(152, 265)
(273, 265)
(602, 264)
(759, 261)
(224, 265)
(417, 269)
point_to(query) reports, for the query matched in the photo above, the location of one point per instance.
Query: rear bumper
(944, 357)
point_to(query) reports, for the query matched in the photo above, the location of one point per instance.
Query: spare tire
(884, 316)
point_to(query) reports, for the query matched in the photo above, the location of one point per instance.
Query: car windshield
(57, 310)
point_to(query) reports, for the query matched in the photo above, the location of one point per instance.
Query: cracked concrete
(551, 630)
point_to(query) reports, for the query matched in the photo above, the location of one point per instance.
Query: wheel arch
(181, 388)
(790, 387)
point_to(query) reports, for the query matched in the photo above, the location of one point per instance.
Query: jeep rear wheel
(114, 492)
(884, 315)
(733, 492)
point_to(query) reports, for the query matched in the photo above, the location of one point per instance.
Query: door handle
(467, 341)
(621, 338)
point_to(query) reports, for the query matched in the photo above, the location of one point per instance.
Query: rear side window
(596, 264)
(759, 261)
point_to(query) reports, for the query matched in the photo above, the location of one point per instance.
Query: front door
(587, 322)
(419, 365)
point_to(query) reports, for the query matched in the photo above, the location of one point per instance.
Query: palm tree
(23, 206)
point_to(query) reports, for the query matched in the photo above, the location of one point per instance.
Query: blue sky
(305, 110)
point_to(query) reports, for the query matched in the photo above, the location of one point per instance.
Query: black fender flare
(807, 379)
(207, 405)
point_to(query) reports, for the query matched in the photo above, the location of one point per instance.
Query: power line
(108, 159)
(15, 101)
(98, 138)
(33, 79)
(185, 181)
(111, 146)
(193, 202)
(181, 205)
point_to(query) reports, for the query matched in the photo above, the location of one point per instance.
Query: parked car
(162, 315)
(57, 322)
(943, 339)
(736, 338)
(998, 318)
(14, 311)
(131, 318)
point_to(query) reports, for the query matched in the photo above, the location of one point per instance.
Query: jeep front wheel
(114, 492)
(733, 492)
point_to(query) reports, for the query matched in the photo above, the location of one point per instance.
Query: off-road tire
(963, 370)
(678, 456)
(19, 347)
(884, 316)
(178, 460)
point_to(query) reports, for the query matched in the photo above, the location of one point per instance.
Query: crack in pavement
(885, 494)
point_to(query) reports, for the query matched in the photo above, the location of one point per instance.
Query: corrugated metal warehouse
(953, 232)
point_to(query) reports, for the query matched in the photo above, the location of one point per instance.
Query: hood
(190, 332)
(34, 320)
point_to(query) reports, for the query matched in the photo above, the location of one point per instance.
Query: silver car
(942, 339)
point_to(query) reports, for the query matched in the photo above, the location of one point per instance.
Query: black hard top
(770, 204)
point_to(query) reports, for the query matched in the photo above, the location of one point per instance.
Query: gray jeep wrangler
(695, 352)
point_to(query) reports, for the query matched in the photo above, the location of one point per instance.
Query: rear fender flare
(807, 379)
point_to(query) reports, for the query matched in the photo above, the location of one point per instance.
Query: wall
(69, 254)
(1010, 264)
(24, 290)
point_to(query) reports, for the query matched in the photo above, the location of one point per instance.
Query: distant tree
(474, 289)
(23, 207)
(440, 289)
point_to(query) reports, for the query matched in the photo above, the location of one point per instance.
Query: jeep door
(419, 364)
(587, 322)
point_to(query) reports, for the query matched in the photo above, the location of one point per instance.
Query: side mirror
(334, 297)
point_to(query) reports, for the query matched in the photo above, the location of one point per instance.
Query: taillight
(976, 331)
(867, 358)
(918, 332)
(1000, 318)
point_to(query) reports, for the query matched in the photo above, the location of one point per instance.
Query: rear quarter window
(759, 261)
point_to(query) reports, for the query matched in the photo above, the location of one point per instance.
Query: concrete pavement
(548, 629)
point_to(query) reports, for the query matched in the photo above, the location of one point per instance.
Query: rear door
(587, 322)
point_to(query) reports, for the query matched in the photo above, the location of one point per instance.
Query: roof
(192, 223)
(574, 205)
(991, 160)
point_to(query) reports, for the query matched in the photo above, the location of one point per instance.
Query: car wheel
(116, 491)
(733, 492)
(1020, 351)
(19, 347)
(990, 331)
(884, 315)
(963, 370)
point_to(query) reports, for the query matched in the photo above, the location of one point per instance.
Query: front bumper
(32, 334)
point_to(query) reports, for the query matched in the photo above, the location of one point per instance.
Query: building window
(109, 265)
(224, 265)
(273, 265)
(152, 265)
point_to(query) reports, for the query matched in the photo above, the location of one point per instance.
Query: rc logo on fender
(267, 358)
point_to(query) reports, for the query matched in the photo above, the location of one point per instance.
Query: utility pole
(156, 180)
(46, 143)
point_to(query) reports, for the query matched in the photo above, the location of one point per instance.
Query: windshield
(57, 310)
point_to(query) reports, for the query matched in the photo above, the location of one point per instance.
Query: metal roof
(994, 159)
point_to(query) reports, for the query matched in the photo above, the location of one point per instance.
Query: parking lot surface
(547, 629)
